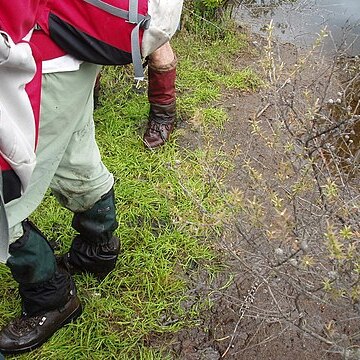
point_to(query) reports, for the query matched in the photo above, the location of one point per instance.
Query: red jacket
(17, 19)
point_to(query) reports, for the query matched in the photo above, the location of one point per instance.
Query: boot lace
(25, 324)
(159, 127)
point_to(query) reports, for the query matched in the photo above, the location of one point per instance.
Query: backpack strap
(133, 11)
(133, 17)
(136, 53)
(4, 228)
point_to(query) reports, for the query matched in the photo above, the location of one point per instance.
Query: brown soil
(243, 320)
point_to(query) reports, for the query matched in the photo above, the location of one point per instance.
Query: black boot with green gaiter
(95, 249)
(48, 295)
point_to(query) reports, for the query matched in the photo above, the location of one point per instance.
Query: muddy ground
(244, 320)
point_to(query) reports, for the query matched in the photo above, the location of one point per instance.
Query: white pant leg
(68, 158)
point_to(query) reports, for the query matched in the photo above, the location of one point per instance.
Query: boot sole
(71, 318)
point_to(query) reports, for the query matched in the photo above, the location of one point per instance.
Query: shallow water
(300, 21)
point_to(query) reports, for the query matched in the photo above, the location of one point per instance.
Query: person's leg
(90, 196)
(47, 293)
(43, 289)
(162, 96)
(65, 96)
(84, 185)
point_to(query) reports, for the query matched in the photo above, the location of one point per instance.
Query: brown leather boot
(47, 306)
(162, 98)
(160, 125)
(28, 332)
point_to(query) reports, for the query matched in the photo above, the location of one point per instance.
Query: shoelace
(25, 324)
(159, 127)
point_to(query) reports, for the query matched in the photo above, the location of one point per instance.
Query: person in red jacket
(68, 161)
(47, 292)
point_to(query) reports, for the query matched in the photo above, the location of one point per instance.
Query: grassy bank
(168, 207)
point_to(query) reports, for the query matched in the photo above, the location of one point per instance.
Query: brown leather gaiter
(161, 86)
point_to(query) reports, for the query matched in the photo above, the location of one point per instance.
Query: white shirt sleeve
(165, 19)
(61, 64)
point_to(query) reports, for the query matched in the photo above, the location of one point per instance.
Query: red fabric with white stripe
(17, 18)
(95, 22)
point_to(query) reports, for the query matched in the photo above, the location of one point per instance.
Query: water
(300, 21)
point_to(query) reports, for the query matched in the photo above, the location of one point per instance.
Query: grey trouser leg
(68, 159)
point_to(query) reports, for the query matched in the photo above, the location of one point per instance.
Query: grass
(168, 209)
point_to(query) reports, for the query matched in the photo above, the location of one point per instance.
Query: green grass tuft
(168, 208)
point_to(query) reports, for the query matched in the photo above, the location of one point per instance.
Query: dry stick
(314, 334)
(336, 165)
(266, 314)
(318, 183)
(294, 282)
(259, 113)
(191, 196)
(265, 341)
(269, 339)
(204, 19)
(356, 335)
(276, 302)
(325, 91)
(256, 332)
(262, 110)
(323, 159)
(249, 298)
(302, 327)
(292, 255)
(285, 318)
(332, 128)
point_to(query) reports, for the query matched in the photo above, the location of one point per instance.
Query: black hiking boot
(29, 332)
